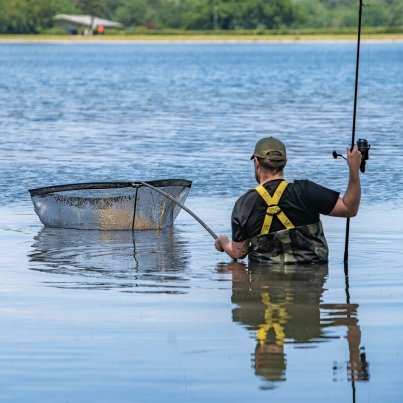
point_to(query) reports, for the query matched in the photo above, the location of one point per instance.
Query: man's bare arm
(348, 205)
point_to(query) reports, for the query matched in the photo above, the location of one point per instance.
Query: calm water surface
(90, 316)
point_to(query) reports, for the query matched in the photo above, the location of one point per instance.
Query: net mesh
(122, 208)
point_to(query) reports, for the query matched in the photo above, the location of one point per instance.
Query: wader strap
(272, 207)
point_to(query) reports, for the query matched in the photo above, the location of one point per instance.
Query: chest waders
(302, 244)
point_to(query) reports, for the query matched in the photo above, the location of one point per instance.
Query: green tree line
(36, 16)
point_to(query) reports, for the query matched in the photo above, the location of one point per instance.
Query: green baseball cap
(267, 145)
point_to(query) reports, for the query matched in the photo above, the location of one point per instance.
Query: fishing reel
(363, 147)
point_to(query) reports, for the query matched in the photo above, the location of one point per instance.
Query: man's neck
(270, 177)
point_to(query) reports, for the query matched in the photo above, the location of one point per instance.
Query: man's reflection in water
(282, 305)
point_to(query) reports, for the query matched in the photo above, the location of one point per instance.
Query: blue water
(161, 316)
(150, 111)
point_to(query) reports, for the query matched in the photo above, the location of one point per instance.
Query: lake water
(90, 316)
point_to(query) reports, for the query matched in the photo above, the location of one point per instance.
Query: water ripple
(137, 112)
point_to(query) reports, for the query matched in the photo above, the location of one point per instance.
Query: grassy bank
(214, 36)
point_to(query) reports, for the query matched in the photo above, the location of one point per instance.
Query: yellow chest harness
(272, 207)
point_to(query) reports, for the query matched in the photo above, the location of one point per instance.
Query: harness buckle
(273, 210)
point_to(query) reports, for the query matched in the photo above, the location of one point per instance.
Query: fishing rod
(363, 147)
(167, 195)
(357, 68)
(362, 144)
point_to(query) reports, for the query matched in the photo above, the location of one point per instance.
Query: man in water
(279, 222)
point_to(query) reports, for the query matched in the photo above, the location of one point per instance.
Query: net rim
(108, 185)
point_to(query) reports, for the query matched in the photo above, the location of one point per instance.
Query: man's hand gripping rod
(363, 147)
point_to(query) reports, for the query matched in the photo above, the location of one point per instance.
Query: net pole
(181, 205)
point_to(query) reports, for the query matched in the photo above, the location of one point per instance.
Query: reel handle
(363, 147)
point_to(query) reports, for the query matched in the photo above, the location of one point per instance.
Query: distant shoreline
(192, 38)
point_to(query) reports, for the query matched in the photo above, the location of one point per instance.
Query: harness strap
(272, 207)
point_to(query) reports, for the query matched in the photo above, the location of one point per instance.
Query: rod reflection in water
(141, 262)
(281, 305)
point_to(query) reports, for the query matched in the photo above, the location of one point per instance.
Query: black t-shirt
(302, 202)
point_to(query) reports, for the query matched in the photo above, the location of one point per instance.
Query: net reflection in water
(141, 261)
